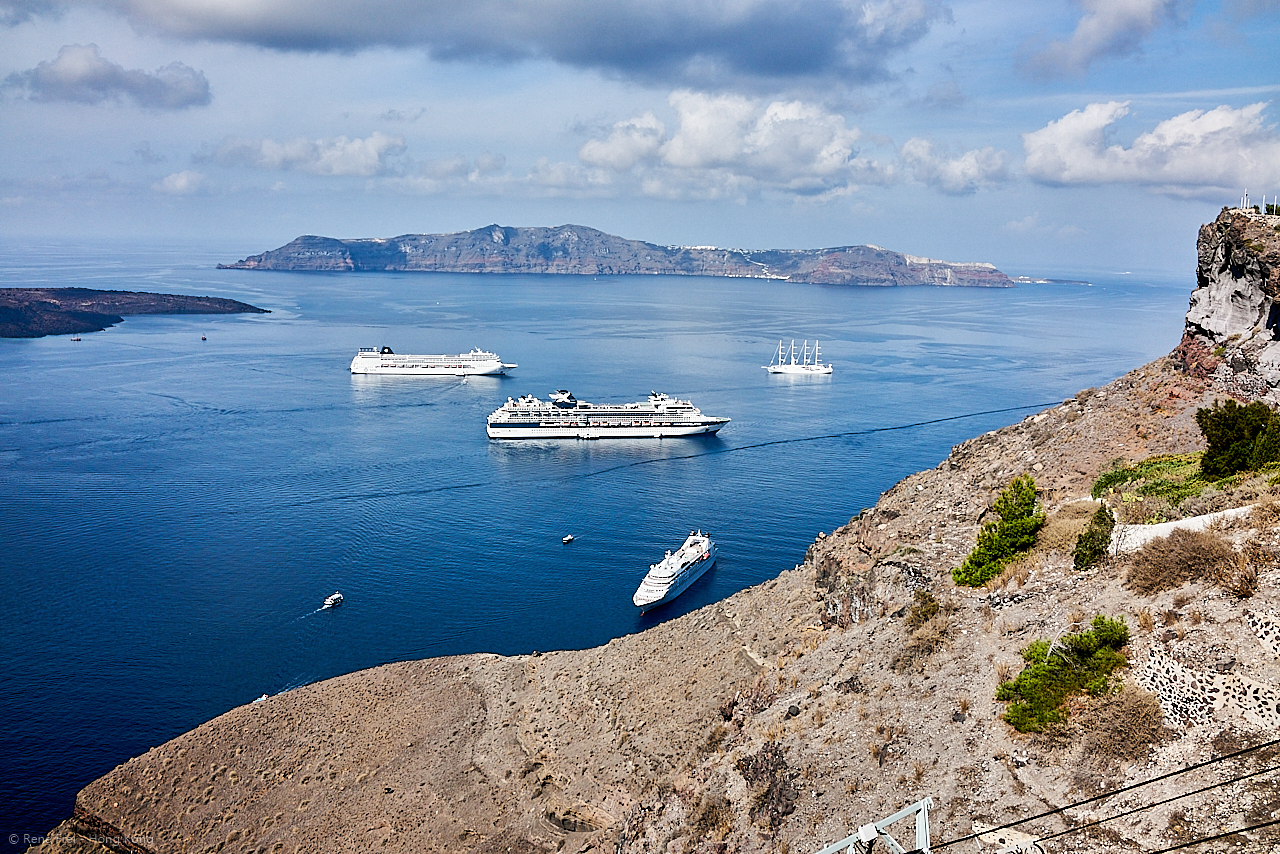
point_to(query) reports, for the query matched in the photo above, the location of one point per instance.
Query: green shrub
(1095, 540)
(1009, 536)
(1082, 661)
(1239, 438)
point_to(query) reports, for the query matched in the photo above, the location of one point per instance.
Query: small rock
(792, 711)
(387, 790)
(959, 717)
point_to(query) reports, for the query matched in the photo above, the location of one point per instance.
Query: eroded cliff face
(785, 716)
(1233, 325)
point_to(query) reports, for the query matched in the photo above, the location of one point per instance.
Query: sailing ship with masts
(789, 360)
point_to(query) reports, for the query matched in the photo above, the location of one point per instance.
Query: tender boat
(671, 576)
(566, 539)
(333, 600)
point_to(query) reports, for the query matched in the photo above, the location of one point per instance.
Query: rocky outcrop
(36, 312)
(577, 250)
(1233, 326)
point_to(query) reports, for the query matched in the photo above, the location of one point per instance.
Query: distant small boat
(202, 338)
(785, 360)
(75, 337)
(566, 539)
(332, 601)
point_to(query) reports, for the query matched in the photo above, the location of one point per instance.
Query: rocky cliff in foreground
(577, 250)
(36, 312)
(787, 715)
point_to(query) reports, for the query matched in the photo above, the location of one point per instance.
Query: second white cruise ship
(566, 417)
(372, 360)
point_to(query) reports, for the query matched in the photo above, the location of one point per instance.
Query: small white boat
(671, 576)
(566, 539)
(332, 601)
(787, 361)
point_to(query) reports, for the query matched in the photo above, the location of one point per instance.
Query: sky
(1050, 138)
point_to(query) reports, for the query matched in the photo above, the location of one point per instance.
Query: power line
(1111, 794)
(1081, 827)
(1218, 836)
(845, 434)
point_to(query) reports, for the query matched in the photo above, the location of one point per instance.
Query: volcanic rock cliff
(577, 250)
(1233, 327)
(786, 716)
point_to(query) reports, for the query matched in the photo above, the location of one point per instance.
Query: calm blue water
(175, 509)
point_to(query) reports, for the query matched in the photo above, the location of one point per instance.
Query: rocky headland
(36, 312)
(582, 251)
(789, 714)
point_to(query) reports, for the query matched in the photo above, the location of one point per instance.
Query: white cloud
(628, 143)
(960, 175)
(729, 145)
(1194, 152)
(81, 74)
(334, 156)
(181, 183)
(1108, 28)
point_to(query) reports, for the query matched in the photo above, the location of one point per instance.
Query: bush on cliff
(1007, 537)
(1239, 438)
(1055, 670)
(1094, 540)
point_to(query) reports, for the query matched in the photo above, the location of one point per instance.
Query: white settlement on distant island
(788, 361)
(372, 360)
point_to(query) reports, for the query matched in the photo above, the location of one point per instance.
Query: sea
(180, 493)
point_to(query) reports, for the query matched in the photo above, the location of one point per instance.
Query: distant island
(582, 251)
(36, 312)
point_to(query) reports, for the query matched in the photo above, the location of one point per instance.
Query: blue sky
(1063, 135)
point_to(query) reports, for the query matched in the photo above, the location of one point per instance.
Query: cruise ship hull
(601, 431)
(810, 370)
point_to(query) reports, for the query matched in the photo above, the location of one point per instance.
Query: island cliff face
(789, 714)
(577, 250)
(36, 312)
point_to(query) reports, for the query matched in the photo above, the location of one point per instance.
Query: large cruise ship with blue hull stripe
(566, 417)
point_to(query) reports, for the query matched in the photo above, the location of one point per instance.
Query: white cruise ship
(788, 361)
(372, 360)
(566, 417)
(671, 576)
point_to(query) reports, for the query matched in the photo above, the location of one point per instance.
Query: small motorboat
(566, 539)
(75, 337)
(332, 601)
(202, 338)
